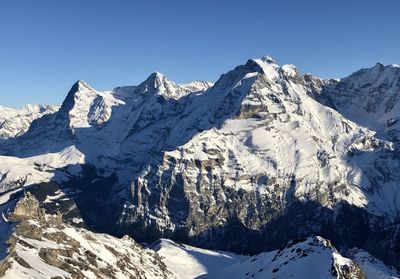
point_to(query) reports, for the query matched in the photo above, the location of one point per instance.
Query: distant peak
(268, 66)
(156, 75)
(78, 86)
(290, 70)
(268, 59)
(379, 65)
(156, 79)
(387, 66)
(159, 75)
(81, 84)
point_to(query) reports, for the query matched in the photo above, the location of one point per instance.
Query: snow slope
(372, 267)
(44, 247)
(188, 262)
(370, 97)
(313, 257)
(15, 122)
(17, 172)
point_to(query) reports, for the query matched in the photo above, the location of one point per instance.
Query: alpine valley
(292, 176)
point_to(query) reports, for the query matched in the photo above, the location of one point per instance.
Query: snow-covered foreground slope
(188, 262)
(262, 156)
(15, 122)
(44, 247)
(372, 267)
(313, 257)
(41, 245)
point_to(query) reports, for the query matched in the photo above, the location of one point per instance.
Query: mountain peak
(156, 79)
(268, 59)
(78, 86)
(381, 65)
(268, 67)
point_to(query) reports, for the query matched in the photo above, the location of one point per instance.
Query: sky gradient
(45, 46)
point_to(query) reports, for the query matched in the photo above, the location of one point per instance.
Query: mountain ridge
(221, 164)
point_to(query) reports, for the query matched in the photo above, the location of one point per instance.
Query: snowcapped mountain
(370, 97)
(15, 122)
(262, 156)
(313, 257)
(42, 246)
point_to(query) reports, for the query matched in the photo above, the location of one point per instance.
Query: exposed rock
(44, 247)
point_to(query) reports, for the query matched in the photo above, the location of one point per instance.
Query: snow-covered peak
(198, 85)
(83, 85)
(157, 79)
(84, 106)
(290, 70)
(376, 75)
(272, 70)
(269, 67)
(77, 88)
(15, 122)
(159, 84)
(268, 59)
(314, 257)
(371, 98)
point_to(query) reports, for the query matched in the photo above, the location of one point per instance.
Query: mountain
(370, 97)
(42, 246)
(262, 156)
(15, 122)
(313, 257)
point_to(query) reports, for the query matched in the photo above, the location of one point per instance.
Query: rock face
(44, 247)
(263, 156)
(28, 207)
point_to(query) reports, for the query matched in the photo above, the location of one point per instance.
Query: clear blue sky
(45, 46)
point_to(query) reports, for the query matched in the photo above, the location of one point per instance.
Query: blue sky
(46, 46)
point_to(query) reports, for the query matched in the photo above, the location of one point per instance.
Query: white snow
(19, 172)
(311, 258)
(15, 122)
(374, 268)
(109, 251)
(188, 262)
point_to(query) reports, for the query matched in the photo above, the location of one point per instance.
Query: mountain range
(275, 167)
